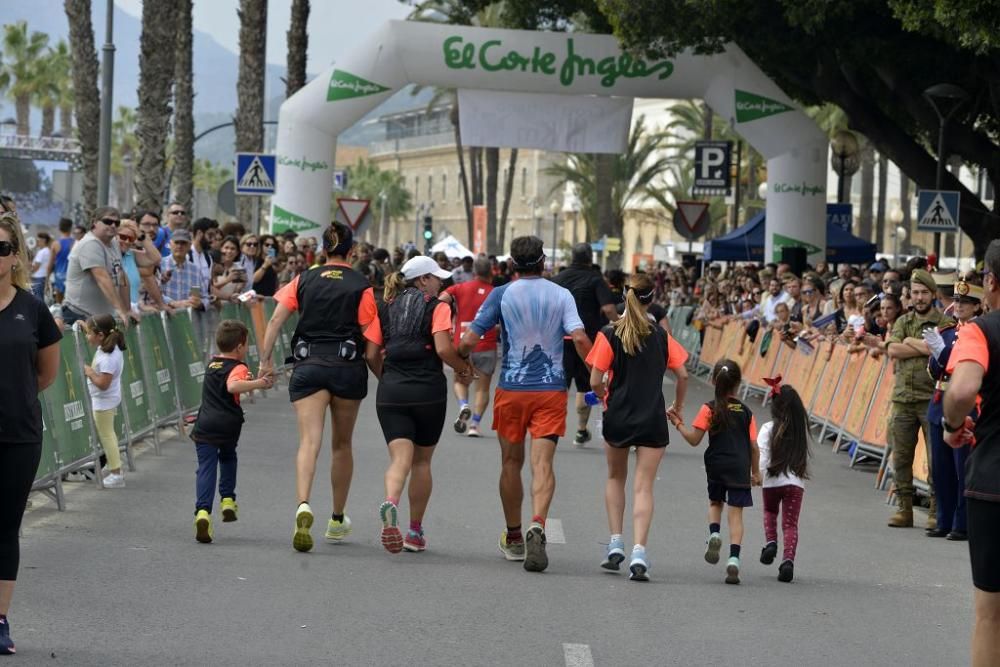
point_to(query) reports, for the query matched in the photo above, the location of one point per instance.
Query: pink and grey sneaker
(392, 539)
(414, 541)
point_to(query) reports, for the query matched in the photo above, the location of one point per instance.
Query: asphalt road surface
(118, 579)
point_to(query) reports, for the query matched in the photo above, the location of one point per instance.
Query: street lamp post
(945, 99)
(107, 88)
(898, 232)
(844, 160)
(554, 208)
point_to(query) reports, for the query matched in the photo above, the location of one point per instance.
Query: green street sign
(750, 106)
(344, 86)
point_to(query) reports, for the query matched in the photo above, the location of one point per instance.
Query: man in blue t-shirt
(534, 315)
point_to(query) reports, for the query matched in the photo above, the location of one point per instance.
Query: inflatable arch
(404, 52)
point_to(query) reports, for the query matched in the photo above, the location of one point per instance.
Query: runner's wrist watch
(948, 428)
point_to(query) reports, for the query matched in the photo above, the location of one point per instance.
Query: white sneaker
(114, 481)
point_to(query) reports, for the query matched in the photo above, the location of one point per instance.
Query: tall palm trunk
(462, 174)
(66, 121)
(864, 230)
(508, 190)
(476, 170)
(492, 173)
(604, 166)
(87, 99)
(48, 121)
(904, 202)
(22, 109)
(184, 107)
(156, 77)
(298, 45)
(250, 92)
(883, 186)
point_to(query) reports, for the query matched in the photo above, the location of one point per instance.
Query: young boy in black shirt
(220, 420)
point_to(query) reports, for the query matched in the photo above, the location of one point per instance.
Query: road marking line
(554, 532)
(578, 655)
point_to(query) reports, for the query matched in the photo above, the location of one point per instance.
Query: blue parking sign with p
(255, 174)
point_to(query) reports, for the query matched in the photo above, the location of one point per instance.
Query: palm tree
(250, 91)
(21, 72)
(367, 181)
(209, 177)
(46, 95)
(87, 99)
(156, 78)
(124, 148)
(298, 45)
(635, 178)
(184, 106)
(64, 59)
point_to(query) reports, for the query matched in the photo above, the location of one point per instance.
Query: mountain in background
(215, 73)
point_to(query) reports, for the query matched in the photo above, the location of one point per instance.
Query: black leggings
(18, 465)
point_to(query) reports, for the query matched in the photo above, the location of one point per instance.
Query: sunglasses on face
(6, 248)
(126, 237)
(178, 212)
(250, 244)
(111, 222)
(808, 291)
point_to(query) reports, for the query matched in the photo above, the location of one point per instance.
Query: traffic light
(428, 228)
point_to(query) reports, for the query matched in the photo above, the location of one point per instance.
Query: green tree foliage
(366, 181)
(22, 72)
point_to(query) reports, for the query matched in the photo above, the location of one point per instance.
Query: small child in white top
(104, 377)
(784, 454)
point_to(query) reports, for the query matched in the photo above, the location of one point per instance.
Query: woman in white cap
(406, 346)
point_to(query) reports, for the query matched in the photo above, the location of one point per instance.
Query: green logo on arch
(750, 106)
(344, 86)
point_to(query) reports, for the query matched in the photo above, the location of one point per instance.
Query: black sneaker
(768, 553)
(786, 571)
(581, 437)
(6, 643)
(535, 558)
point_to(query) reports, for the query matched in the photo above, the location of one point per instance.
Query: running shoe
(638, 566)
(714, 545)
(786, 571)
(535, 558)
(474, 432)
(203, 527)
(114, 481)
(392, 539)
(733, 570)
(581, 438)
(768, 553)
(615, 555)
(336, 531)
(461, 424)
(302, 539)
(511, 550)
(230, 510)
(6, 643)
(414, 541)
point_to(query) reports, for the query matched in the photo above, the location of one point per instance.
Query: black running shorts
(576, 371)
(422, 424)
(984, 543)
(348, 380)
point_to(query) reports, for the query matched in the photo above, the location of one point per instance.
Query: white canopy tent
(452, 247)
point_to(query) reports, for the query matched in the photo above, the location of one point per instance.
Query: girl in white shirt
(784, 455)
(104, 384)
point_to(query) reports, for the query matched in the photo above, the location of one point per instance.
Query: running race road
(118, 578)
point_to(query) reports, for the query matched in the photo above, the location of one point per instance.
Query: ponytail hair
(10, 223)
(338, 239)
(790, 437)
(107, 327)
(634, 326)
(726, 377)
(395, 283)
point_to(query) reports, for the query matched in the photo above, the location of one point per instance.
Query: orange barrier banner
(775, 353)
(800, 365)
(861, 396)
(828, 382)
(711, 347)
(847, 392)
(812, 380)
(876, 430)
(921, 471)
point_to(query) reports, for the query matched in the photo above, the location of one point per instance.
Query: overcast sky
(335, 26)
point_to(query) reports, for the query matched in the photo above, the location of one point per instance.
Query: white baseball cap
(422, 265)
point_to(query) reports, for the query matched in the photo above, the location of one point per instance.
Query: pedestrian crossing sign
(937, 210)
(255, 174)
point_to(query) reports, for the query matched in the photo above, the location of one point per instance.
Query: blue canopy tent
(746, 244)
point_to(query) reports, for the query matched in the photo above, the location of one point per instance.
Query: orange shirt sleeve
(288, 296)
(367, 309)
(677, 356)
(441, 320)
(374, 331)
(601, 355)
(703, 418)
(753, 428)
(238, 374)
(970, 346)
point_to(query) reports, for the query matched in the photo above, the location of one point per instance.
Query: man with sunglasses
(177, 217)
(95, 281)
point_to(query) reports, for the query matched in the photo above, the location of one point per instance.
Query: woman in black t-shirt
(29, 346)
(414, 331)
(634, 353)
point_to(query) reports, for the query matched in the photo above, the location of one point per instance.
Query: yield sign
(691, 220)
(353, 211)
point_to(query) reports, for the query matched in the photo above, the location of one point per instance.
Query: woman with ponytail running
(628, 361)
(335, 305)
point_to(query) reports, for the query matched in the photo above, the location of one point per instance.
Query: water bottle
(591, 399)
